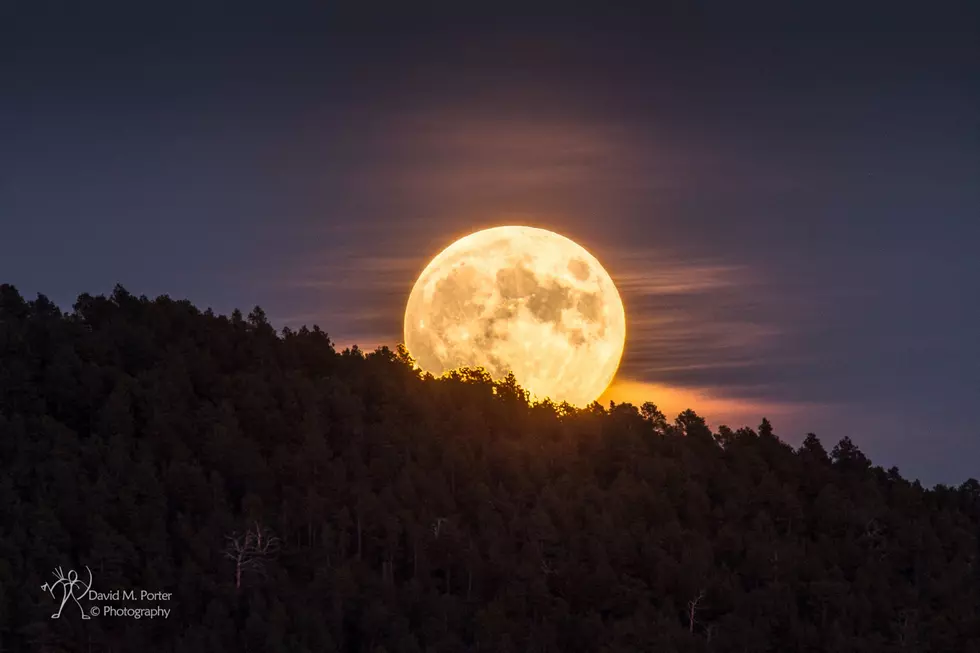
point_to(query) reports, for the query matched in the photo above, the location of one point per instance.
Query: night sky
(787, 198)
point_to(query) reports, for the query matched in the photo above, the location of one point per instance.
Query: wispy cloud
(689, 318)
(686, 319)
(651, 272)
(693, 322)
(504, 154)
(711, 403)
(358, 273)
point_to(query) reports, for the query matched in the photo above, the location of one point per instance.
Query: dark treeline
(295, 498)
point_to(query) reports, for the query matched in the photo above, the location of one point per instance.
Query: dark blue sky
(788, 197)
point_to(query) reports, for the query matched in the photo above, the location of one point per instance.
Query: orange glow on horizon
(671, 401)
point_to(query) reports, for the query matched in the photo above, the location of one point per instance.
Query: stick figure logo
(72, 587)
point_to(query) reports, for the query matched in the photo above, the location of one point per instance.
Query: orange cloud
(708, 403)
(365, 344)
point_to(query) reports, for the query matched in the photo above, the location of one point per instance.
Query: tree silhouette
(393, 511)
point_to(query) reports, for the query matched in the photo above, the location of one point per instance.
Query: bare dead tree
(250, 551)
(692, 609)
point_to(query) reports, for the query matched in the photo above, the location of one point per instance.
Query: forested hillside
(295, 498)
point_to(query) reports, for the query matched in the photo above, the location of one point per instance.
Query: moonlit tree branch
(250, 551)
(692, 609)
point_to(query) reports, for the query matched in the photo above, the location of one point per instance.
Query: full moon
(521, 300)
